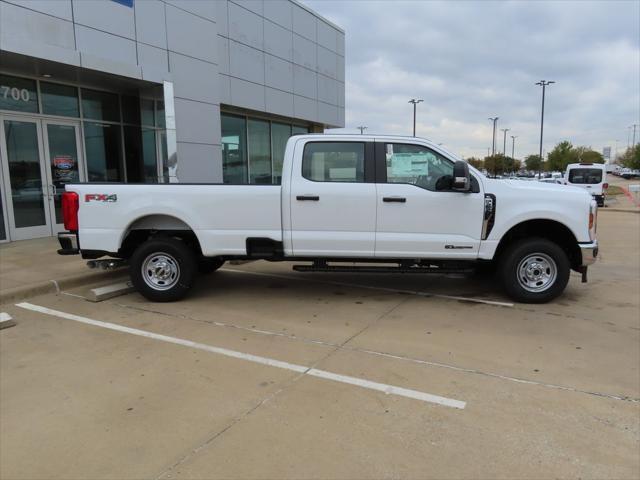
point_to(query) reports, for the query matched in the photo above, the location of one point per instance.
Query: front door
(418, 216)
(38, 158)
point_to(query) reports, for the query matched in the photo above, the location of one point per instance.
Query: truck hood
(535, 188)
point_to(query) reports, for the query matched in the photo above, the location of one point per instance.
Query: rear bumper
(589, 253)
(68, 243)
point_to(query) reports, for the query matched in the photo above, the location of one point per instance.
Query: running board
(372, 269)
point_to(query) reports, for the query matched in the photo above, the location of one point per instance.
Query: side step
(373, 269)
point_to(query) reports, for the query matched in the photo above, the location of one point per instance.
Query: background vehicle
(400, 202)
(590, 176)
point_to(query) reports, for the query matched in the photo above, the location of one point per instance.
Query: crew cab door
(332, 199)
(418, 215)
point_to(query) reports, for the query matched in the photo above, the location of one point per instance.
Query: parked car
(403, 203)
(590, 176)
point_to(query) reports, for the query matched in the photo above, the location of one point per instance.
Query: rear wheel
(534, 270)
(162, 269)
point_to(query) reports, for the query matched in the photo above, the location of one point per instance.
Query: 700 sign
(15, 93)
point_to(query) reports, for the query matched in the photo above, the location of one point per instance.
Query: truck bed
(222, 216)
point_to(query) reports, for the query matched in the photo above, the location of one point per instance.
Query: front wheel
(534, 270)
(162, 269)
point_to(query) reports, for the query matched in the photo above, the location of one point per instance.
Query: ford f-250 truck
(401, 204)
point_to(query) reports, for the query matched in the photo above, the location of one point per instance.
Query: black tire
(546, 263)
(209, 265)
(177, 259)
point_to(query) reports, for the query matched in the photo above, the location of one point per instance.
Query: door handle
(54, 189)
(394, 199)
(313, 198)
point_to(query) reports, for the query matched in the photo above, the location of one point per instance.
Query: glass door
(63, 165)
(24, 178)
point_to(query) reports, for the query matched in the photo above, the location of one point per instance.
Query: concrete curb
(12, 295)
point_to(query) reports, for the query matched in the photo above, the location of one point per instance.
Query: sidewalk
(33, 267)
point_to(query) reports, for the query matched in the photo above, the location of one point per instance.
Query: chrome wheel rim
(537, 272)
(160, 271)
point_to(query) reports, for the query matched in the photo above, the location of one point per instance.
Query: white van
(590, 176)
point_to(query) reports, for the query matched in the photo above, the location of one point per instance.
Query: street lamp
(362, 128)
(415, 102)
(633, 144)
(493, 143)
(543, 84)
(504, 145)
(513, 145)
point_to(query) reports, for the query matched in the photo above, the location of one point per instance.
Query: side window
(333, 162)
(418, 166)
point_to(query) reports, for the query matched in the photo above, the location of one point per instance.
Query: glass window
(585, 176)
(59, 99)
(297, 130)
(104, 153)
(131, 109)
(160, 120)
(63, 158)
(280, 133)
(418, 166)
(100, 105)
(234, 149)
(140, 155)
(147, 112)
(259, 152)
(333, 162)
(23, 157)
(18, 94)
(3, 232)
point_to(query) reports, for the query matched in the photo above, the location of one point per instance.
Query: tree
(511, 164)
(587, 155)
(631, 158)
(476, 162)
(494, 164)
(562, 155)
(533, 162)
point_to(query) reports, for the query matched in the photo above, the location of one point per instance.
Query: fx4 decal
(100, 197)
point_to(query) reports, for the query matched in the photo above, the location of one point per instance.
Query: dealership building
(153, 91)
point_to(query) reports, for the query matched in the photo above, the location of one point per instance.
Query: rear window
(333, 162)
(585, 176)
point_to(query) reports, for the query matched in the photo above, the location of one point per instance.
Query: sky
(470, 60)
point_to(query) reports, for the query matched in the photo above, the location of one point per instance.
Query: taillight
(70, 205)
(605, 185)
(592, 219)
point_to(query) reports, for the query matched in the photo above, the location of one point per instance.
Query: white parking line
(371, 287)
(380, 387)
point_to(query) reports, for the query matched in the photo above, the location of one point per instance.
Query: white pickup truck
(401, 204)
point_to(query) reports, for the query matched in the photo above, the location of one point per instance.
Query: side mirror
(461, 177)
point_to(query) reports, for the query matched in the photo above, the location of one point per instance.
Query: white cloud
(473, 60)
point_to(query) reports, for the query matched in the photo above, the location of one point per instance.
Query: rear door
(419, 216)
(333, 199)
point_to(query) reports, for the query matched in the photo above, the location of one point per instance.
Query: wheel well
(154, 226)
(549, 229)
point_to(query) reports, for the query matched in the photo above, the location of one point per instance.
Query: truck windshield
(589, 176)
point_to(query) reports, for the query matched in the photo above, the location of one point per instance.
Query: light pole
(362, 128)
(633, 144)
(513, 146)
(493, 142)
(543, 84)
(628, 136)
(504, 145)
(415, 102)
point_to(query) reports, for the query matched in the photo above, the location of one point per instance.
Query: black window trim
(369, 159)
(381, 167)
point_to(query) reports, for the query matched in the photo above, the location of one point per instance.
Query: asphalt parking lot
(267, 373)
